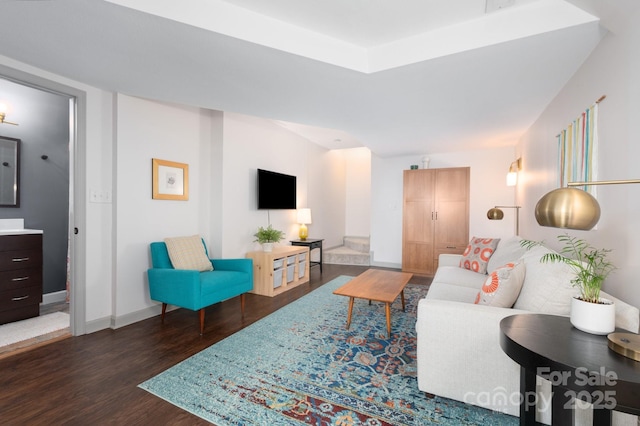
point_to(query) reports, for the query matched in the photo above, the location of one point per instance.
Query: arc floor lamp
(572, 208)
(497, 214)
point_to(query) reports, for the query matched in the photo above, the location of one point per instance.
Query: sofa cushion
(451, 292)
(477, 254)
(454, 275)
(547, 287)
(509, 250)
(188, 253)
(502, 286)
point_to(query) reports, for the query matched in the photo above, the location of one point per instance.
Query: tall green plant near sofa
(590, 264)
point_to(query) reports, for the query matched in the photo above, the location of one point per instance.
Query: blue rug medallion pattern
(300, 365)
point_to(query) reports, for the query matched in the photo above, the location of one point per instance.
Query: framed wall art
(170, 180)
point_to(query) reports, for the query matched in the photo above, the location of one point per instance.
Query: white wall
(611, 70)
(327, 196)
(146, 130)
(358, 192)
(487, 189)
(117, 142)
(251, 143)
(223, 151)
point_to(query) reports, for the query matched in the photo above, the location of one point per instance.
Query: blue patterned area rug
(300, 365)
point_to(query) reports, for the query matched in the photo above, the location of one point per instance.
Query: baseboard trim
(114, 322)
(386, 265)
(97, 325)
(141, 315)
(133, 317)
(55, 297)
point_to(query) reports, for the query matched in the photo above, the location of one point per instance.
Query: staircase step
(360, 244)
(345, 256)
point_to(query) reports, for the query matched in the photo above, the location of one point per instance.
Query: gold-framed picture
(170, 180)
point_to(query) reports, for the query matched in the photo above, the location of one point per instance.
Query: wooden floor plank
(93, 379)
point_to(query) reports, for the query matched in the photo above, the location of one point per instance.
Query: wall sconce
(572, 208)
(512, 176)
(3, 113)
(304, 218)
(497, 214)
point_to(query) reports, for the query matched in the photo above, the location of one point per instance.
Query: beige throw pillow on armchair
(188, 253)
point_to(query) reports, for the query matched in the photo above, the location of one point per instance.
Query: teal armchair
(196, 290)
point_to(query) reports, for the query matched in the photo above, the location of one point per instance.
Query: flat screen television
(276, 191)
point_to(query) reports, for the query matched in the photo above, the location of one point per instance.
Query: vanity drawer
(20, 278)
(20, 242)
(20, 259)
(19, 297)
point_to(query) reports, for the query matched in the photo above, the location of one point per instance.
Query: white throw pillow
(188, 253)
(547, 287)
(509, 250)
(502, 286)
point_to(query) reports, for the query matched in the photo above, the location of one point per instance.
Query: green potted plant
(589, 312)
(267, 236)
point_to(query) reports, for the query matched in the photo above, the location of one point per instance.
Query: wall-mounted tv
(276, 191)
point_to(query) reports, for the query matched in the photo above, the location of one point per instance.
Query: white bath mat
(27, 329)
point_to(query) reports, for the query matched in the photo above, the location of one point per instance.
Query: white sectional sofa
(458, 348)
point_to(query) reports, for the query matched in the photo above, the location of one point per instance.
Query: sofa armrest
(627, 316)
(445, 259)
(175, 286)
(239, 265)
(459, 354)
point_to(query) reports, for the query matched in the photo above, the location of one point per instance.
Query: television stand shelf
(280, 270)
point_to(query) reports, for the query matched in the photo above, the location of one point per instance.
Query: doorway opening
(51, 119)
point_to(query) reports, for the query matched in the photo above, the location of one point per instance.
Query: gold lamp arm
(497, 214)
(3, 121)
(604, 182)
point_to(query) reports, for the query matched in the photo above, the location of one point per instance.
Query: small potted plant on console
(589, 312)
(267, 236)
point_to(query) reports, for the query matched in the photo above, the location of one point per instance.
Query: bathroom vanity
(20, 271)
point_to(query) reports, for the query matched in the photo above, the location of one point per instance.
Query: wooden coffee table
(376, 284)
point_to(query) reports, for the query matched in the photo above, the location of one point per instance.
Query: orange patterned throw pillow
(477, 254)
(502, 286)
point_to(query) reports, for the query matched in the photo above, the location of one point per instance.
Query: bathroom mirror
(9, 172)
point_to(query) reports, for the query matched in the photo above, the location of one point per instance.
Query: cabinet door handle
(451, 247)
(19, 259)
(17, 299)
(19, 279)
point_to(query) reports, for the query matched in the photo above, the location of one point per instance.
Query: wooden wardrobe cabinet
(435, 217)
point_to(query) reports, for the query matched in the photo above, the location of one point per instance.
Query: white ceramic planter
(267, 247)
(594, 318)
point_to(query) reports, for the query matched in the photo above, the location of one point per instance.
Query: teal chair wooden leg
(201, 321)
(164, 310)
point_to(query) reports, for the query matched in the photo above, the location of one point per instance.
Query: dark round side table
(578, 365)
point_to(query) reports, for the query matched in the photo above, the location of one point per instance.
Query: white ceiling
(430, 76)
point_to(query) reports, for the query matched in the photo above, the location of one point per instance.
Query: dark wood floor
(92, 379)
